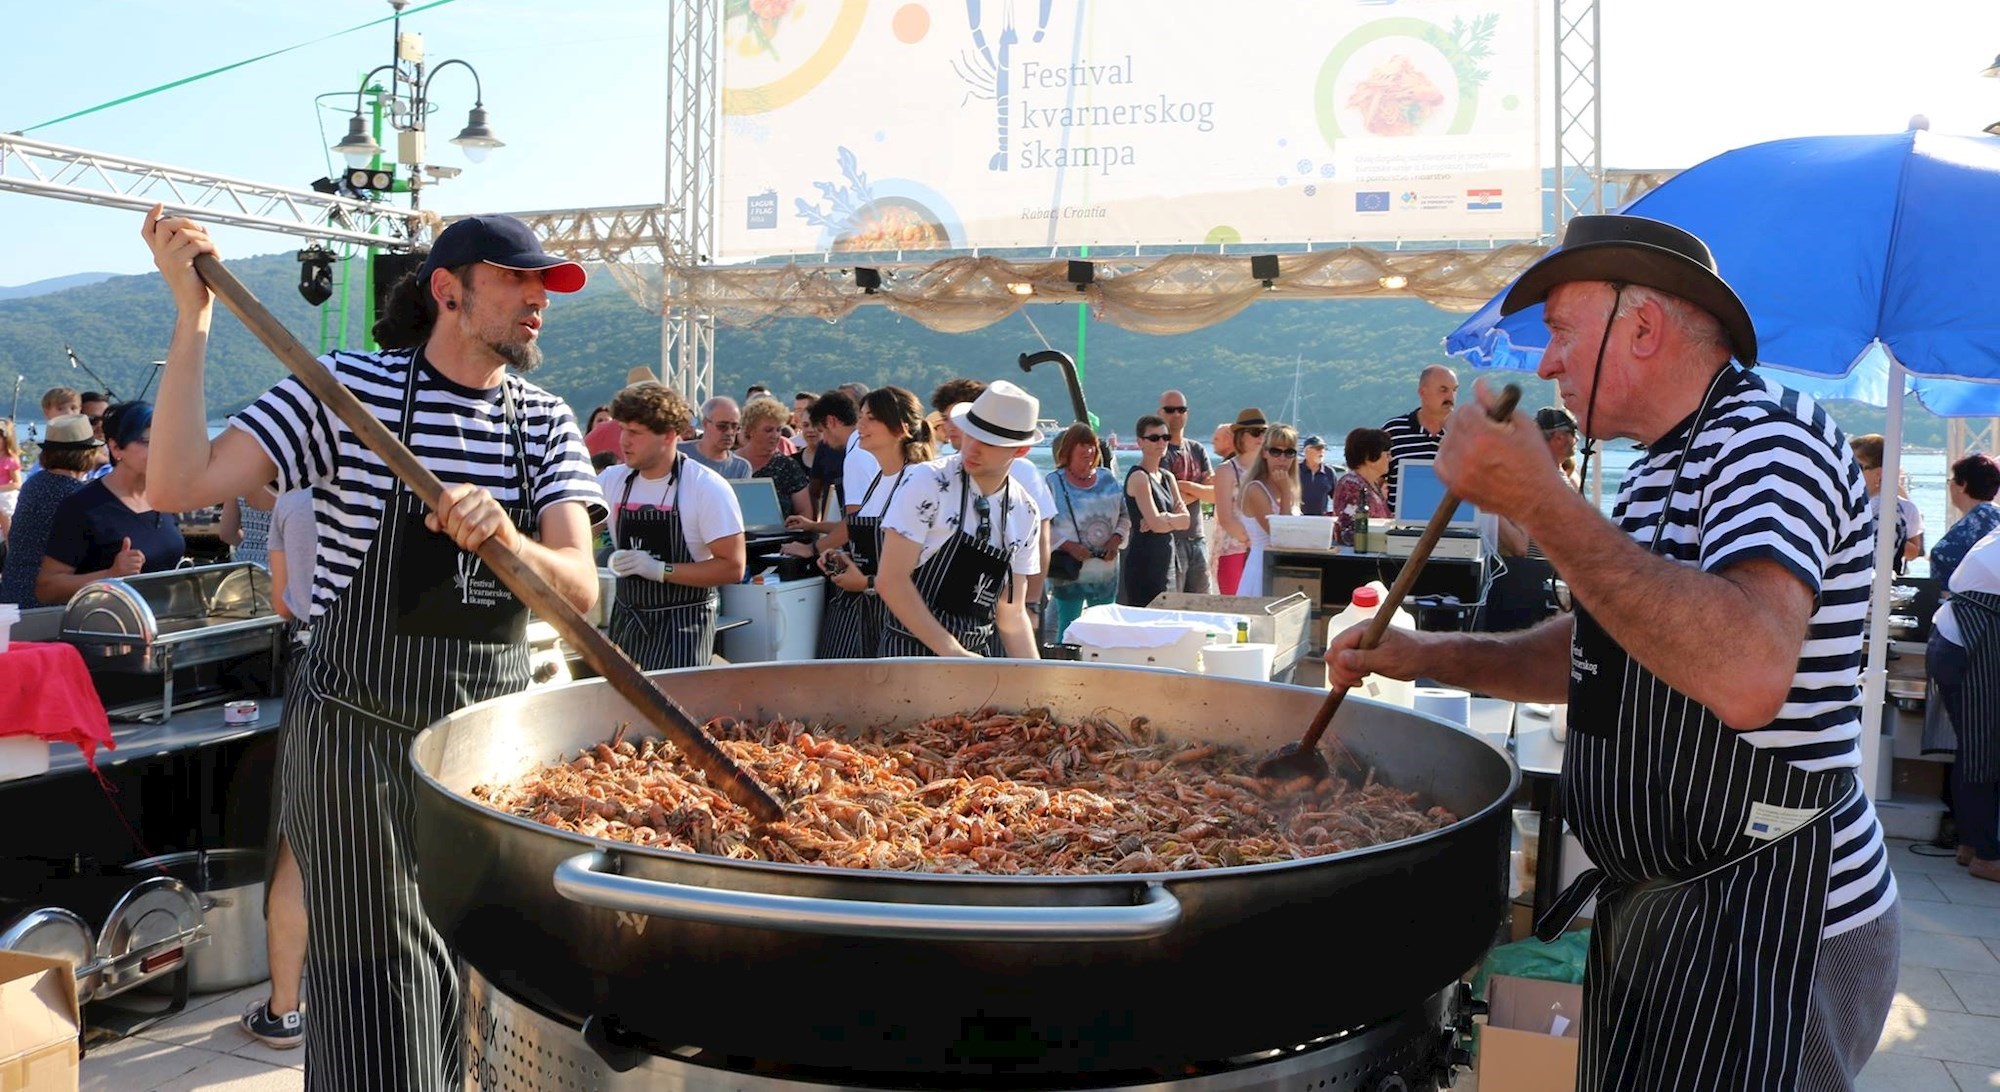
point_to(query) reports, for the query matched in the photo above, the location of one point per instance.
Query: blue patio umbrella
(1866, 262)
(1849, 251)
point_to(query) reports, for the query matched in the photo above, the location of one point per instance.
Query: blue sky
(576, 90)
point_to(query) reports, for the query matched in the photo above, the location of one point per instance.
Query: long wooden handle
(1447, 507)
(598, 651)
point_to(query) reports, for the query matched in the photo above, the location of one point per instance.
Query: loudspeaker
(1264, 267)
(1082, 273)
(388, 269)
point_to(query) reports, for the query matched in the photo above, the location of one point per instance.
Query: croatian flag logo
(1482, 200)
(1371, 201)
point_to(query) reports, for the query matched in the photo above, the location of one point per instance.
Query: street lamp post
(406, 102)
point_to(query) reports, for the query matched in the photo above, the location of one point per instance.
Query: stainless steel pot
(1006, 977)
(230, 885)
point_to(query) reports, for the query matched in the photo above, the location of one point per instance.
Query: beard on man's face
(522, 356)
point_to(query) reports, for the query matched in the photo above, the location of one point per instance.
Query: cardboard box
(38, 1024)
(1517, 1052)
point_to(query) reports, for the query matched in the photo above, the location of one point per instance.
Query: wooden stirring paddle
(604, 657)
(1302, 758)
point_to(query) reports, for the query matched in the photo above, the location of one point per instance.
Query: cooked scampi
(986, 792)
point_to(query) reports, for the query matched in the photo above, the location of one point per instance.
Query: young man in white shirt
(963, 538)
(676, 530)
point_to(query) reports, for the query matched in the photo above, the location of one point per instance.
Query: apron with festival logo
(962, 583)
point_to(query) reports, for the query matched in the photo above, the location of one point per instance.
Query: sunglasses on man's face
(1173, 409)
(1159, 439)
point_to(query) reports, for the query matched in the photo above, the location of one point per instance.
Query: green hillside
(1358, 358)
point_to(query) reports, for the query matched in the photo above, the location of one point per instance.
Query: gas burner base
(512, 1047)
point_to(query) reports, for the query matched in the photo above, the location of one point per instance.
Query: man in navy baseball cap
(502, 241)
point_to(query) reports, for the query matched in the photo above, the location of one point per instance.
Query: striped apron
(660, 624)
(1712, 858)
(851, 627)
(423, 630)
(1977, 710)
(961, 583)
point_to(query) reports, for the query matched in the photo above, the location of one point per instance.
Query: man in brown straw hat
(1746, 932)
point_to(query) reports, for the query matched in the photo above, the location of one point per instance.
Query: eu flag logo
(1371, 201)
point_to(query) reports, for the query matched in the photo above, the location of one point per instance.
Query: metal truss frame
(95, 178)
(694, 109)
(1579, 112)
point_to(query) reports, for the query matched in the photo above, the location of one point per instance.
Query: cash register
(1418, 492)
(764, 532)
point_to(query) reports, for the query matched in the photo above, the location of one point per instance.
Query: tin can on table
(239, 712)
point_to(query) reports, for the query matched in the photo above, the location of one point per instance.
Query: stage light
(316, 274)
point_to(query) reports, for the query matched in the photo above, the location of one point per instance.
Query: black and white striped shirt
(460, 433)
(1770, 476)
(1407, 440)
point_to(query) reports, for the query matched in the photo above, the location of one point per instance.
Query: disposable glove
(638, 563)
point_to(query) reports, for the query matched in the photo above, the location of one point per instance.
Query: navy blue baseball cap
(502, 241)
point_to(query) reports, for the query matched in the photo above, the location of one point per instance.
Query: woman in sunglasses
(1232, 549)
(1271, 490)
(1154, 507)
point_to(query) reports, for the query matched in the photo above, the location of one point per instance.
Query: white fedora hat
(1003, 415)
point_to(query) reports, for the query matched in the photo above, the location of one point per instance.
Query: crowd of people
(80, 512)
(1715, 641)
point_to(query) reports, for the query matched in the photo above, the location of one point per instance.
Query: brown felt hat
(1636, 250)
(1249, 418)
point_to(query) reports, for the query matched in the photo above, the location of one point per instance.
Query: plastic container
(9, 614)
(1367, 599)
(1115, 634)
(1301, 532)
(23, 756)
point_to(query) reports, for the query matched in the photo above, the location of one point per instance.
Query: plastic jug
(1367, 600)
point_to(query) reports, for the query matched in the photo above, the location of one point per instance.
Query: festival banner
(852, 126)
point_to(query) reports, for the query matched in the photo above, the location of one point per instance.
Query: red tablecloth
(46, 691)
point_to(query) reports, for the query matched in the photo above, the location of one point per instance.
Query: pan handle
(586, 878)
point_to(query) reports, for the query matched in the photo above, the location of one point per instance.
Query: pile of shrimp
(986, 792)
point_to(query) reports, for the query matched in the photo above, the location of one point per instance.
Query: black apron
(422, 630)
(1978, 713)
(1702, 908)
(661, 624)
(851, 625)
(961, 584)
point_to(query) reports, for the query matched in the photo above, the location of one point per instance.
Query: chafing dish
(154, 623)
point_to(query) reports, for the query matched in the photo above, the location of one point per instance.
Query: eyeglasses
(1257, 431)
(1282, 452)
(1173, 409)
(1160, 439)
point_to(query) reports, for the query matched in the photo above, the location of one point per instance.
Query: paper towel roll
(1444, 702)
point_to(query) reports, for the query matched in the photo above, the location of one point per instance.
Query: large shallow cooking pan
(1001, 976)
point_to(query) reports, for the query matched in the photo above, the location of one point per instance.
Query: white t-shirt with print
(707, 504)
(926, 511)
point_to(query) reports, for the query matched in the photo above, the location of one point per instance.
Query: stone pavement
(1943, 1034)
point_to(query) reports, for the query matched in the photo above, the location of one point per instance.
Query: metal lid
(156, 910)
(143, 607)
(58, 934)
